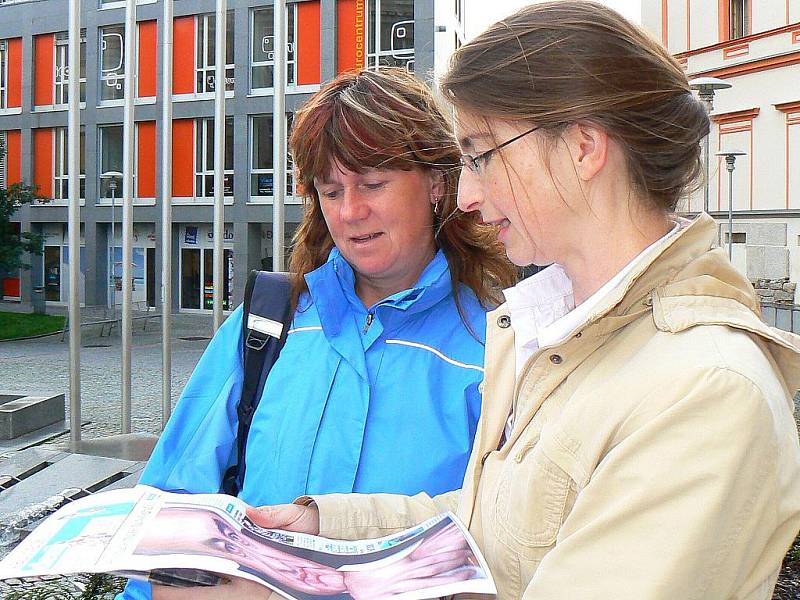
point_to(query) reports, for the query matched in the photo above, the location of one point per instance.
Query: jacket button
(484, 457)
(556, 359)
(579, 334)
(504, 321)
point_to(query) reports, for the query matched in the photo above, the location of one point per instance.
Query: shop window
(261, 157)
(197, 278)
(110, 150)
(206, 48)
(390, 33)
(61, 78)
(262, 47)
(3, 74)
(204, 158)
(61, 164)
(112, 63)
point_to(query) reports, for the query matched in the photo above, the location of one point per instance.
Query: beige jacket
(653, 454)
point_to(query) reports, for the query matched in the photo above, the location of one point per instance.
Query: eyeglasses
(473, 163)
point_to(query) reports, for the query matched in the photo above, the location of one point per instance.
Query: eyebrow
(468, 141)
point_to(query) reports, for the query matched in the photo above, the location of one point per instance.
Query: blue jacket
(361, 400)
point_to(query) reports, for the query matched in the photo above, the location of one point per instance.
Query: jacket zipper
(370, 318)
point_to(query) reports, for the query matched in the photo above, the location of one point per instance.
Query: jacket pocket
(532, 498)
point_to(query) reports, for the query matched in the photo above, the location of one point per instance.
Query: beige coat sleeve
(696, 502)
(364, 516)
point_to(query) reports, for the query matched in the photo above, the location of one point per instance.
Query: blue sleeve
(199, 440)
(136, 590)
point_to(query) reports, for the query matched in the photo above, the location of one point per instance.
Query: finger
(292, 517)
(410, 585)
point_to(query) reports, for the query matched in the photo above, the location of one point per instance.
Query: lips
(368, 237)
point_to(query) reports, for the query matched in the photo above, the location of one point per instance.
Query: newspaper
(203, 539)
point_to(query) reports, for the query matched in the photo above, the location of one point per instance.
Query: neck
(372, 290)
(607, 246)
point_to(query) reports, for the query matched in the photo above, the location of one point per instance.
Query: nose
(353, 207)
(470, 191)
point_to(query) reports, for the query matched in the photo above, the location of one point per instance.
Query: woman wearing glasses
(637, 440)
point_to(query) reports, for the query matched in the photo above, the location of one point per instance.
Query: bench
(105, 316)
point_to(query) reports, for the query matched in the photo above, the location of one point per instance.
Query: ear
(588, 145)
(437, 185)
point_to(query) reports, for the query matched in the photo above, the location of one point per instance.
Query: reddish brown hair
(388, 119)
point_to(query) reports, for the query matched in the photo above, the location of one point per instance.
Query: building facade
(754, 46)
(324, 37)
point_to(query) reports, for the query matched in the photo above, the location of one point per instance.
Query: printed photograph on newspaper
(185, 540)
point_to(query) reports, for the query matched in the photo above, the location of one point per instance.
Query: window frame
(291, 186)
(61, 88)
(61, 163)
(105, 76)
(291, 41)
(3, 74)
(738, 21)
(201, 49)
(373, 35)
(204, 135)
(100, 154)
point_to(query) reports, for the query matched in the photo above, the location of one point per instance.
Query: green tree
(13, 243)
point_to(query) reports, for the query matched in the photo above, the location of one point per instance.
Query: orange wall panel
(13, 157)
(146, 168)
(183, 158)
(43, 70)
(147, 59)
(351, 37)
(14, 73)
(43, 161)
(183, 60)
(308, 43)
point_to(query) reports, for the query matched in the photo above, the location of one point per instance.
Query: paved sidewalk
(41, 366)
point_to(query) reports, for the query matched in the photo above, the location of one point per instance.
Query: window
(261, 157)
(262, 52)
(112, 63)
(110, 151)
(3, 150)
(739, 26)
(390, 33)
(61, 164)
(206, 47)
(3, 74)
(61, 79)
(204, 158)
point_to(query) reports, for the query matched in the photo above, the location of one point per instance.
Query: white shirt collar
(542, 306)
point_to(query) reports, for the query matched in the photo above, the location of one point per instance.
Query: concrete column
(328, 41)
(424, 40)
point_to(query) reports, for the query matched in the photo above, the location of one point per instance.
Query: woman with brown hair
(376, 389)
(637, 439)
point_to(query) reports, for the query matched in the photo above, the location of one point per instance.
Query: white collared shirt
(542, 307)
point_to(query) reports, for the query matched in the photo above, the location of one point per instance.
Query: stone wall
(775, 290)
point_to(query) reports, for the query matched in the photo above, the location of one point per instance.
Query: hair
(557, 63)
(389, 119)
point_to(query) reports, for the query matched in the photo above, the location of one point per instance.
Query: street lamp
(112, 177)
(706, 87)
(730, 165)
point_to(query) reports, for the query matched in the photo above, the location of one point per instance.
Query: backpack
(265, 323)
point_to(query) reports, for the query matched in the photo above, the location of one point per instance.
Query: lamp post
(730, 165)
(706, 87)
(112, 177)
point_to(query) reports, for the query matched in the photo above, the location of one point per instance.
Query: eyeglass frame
(473, 163)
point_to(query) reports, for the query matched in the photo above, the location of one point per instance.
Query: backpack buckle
(256, 340)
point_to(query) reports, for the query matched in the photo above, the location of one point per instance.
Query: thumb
(291, 517)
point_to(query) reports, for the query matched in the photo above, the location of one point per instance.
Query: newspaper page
(182, 539)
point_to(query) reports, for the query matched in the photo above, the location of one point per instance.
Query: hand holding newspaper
(186, 540)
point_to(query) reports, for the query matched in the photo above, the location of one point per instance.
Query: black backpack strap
(265, 324)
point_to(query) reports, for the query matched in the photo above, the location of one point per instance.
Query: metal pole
(113, 185)
(278, 134)
(730, 207)
(74, 224)
(166, 216)
(708, 172)
(127, 211)
(219, 156)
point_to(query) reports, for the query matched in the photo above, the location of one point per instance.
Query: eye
(329, 194)
(375, 186)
